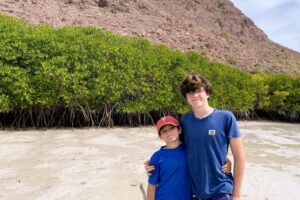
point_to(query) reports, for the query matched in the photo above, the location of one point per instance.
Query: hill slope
(213, 27)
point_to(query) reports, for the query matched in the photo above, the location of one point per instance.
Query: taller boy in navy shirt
(207, 133)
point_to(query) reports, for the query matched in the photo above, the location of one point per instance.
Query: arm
(237, 149)
(149, 168)
(154, 177)
(151, 191)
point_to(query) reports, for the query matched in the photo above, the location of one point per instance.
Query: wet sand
(107, 164)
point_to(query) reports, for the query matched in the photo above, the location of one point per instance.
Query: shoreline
(141, 126)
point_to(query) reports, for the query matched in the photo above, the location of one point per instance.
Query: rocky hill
(215, 28)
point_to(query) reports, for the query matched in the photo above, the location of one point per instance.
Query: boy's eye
(196, 91)
(199, 90)
(167, 129)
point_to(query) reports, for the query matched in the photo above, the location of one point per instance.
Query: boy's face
(169, 133)
(197, 99)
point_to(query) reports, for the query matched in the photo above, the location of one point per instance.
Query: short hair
(193, 82)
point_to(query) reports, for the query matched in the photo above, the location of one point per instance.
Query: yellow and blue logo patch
(212, 132)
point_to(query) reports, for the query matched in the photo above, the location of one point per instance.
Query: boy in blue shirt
(207, 134)
(170, 180)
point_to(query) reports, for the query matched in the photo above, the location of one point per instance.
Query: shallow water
(273, 160)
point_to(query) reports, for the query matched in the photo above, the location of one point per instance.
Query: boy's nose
(195, 95)
(170, 132)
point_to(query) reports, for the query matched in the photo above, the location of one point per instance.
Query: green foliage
(15, 90)
(90, 69)
(278, 100)
(235, 89)
(262, 91)
(4, 103)
(284, 92)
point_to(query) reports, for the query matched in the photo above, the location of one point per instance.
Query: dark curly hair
(193, 82)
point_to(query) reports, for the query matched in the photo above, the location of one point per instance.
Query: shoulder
(224, 113)
(186, 116)
(155, 157)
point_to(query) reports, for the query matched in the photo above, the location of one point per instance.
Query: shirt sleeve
(154, 177)
(232, 129)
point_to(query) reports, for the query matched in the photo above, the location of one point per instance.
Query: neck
(172, 145)
(203, 111)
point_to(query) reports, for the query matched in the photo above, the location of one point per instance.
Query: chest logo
(212, 132)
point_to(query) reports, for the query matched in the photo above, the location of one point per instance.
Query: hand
(227, 167)
(236, 198)
(148, 168)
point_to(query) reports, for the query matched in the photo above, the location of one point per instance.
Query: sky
(279, 19)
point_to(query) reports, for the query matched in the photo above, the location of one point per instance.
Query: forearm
(238, 174)
(151, 192)
(237, 149)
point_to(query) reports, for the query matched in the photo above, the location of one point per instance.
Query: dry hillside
(213, 27)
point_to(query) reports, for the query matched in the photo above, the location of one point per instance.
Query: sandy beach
(107, 164)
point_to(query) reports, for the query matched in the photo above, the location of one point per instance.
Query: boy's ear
(179, 129)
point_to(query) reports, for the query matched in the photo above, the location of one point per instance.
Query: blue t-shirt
(171, 174)
(206, 142)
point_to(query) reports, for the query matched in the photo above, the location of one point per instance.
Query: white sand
(107, 164)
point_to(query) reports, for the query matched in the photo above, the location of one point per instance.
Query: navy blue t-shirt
(206, 143)
(171, 174)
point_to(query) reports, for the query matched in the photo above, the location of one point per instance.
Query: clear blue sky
(279, 19)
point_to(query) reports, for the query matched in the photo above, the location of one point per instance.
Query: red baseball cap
(167, 120)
